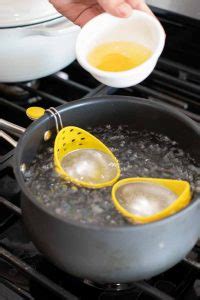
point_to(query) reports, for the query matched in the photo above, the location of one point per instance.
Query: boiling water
(141, 154)
(89, 165)
(118, 56)
(145, 199)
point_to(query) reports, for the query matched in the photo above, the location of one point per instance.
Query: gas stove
(24, 272)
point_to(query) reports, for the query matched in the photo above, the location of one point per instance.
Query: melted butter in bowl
(120, 52)
(118, 56)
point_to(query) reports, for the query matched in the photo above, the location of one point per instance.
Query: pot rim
(33, 23)
(93, 227)
(22, 12)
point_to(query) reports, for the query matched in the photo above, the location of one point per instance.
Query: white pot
(31, 52)
(35, 40)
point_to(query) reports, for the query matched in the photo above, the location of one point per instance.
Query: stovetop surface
(24, 272)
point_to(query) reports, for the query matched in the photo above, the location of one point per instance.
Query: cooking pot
(35, 40)
(110, 254)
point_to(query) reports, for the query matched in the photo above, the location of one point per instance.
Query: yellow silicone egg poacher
(71, 138)
(179, 187)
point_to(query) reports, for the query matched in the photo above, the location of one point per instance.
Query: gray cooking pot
(105, 254)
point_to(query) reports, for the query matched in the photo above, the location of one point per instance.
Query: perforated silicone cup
(72, 138)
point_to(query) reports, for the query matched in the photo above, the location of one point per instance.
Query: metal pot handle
(8, 138)
(12, 128)
(55, 29)
(7, 160)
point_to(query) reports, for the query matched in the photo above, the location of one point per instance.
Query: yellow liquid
(118, 56)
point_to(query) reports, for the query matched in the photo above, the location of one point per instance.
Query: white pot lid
(15, 13)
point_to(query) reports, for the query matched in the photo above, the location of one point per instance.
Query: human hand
(81, 11)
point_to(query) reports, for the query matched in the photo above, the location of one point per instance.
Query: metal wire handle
(57, 118)
(8, 138)
(58, 114)
(11, 127)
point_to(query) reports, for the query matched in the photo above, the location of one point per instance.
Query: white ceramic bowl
(139, 27)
